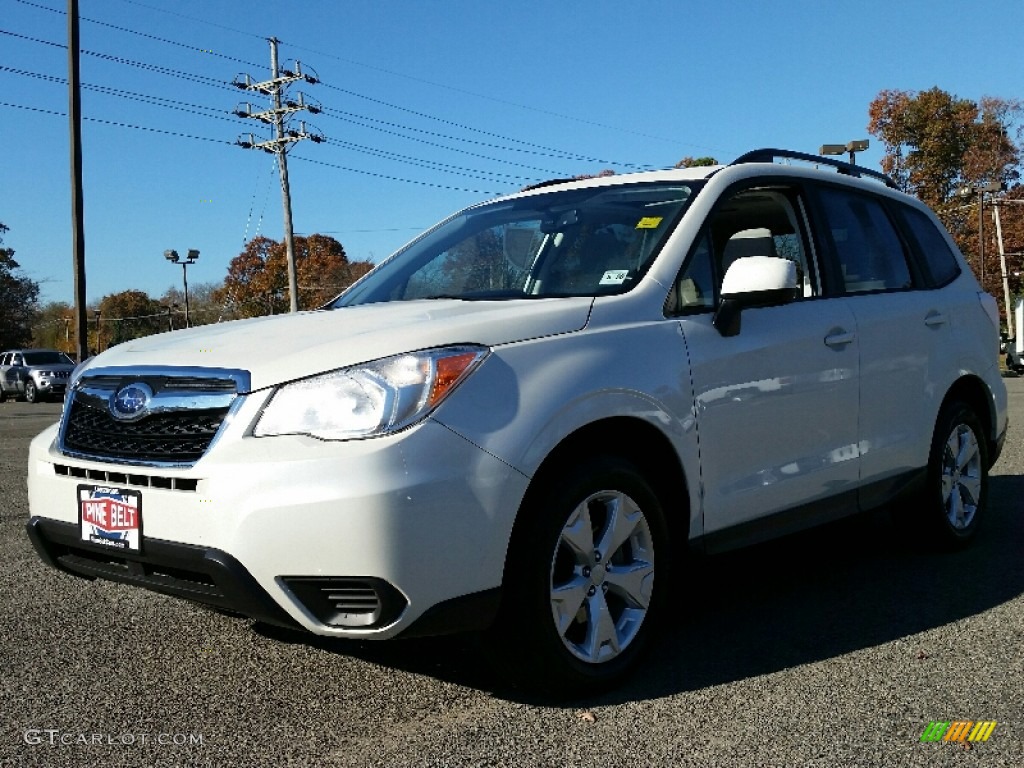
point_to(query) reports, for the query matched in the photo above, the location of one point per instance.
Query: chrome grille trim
(188, 411)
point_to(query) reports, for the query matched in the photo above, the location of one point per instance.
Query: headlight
(368, 400)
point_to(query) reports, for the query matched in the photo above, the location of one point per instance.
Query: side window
(867, 246)
(938, 257)
(16, 359)
(5, 359)
(753, 222)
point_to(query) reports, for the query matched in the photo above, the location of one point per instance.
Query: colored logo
(959, 730)
(131, 402)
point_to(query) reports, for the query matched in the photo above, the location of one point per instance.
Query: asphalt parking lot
(832, 648)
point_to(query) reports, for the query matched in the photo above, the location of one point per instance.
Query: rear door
(777, 404)
(904, 335)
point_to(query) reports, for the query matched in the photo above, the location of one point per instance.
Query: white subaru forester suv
(522, 419)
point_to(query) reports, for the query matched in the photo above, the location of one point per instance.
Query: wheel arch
(972, 391)
(656, 459)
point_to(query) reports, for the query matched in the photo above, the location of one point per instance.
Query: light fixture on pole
(853, 147)
(980, 189)
(190, 258)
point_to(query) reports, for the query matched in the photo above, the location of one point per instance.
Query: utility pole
(77, 213)
(283, 107)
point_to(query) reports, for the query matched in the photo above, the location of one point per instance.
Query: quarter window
(867, 246)
(938, 257)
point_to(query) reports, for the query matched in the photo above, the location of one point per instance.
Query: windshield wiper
(497, 295)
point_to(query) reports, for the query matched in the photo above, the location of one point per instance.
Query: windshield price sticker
(649, 222)
(111, 517)
(614, 277)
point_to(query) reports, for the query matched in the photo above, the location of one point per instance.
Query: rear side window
(938, 256)
(866, 244)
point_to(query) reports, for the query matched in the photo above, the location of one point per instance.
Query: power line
(413, 78)
(206, 51)
(200, 79)
(547, 150)
(428, 143)
(432, 164)
(365, 121)
(395, 178)
(118, 124)
(555, 153)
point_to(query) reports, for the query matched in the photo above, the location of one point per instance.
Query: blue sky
(430, 106)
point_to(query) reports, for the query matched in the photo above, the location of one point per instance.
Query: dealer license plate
(111, 517)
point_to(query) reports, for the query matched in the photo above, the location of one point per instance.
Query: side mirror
(754, 281)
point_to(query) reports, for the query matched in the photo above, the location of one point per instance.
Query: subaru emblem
(131, 402)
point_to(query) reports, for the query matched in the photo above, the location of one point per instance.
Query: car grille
(166, 437)
(184, 416)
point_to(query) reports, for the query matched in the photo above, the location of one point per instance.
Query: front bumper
(51, 386)
(265, 527)
(202, 575)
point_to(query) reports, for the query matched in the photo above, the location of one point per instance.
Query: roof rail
(849, 169)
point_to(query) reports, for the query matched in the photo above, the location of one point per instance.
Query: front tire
(957, 489)
(31, 392)
(586, 577)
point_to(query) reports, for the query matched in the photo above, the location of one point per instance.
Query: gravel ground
(831, 648)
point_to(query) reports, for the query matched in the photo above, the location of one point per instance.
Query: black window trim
(829, 255)
(916, 248)
(792, 188)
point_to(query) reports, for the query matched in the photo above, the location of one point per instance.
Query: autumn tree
(936, 142)
(257, 279)
(938, 145)
(696, 162)
(204, 306)
(19, 296)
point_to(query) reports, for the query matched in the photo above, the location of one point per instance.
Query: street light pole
(1002, 269)
(190, 258)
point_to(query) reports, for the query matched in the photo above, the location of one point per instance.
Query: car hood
(282, 348)
(54, 367)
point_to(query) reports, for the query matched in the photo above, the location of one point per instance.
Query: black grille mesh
(180, 436)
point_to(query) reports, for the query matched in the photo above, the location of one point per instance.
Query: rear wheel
(585, 580)
(954, 500)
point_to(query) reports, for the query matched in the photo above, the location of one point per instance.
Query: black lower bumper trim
(203, 575)
(468, 613)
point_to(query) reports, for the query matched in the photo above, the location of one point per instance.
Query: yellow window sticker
(649, 222)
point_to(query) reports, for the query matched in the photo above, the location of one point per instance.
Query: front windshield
(47, 357)
(584, 242)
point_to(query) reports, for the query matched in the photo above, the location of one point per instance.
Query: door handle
(934, 319)
(839, 338)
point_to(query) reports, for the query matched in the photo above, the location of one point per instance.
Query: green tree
(54, 327)
(128, 315)
(19, 297)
